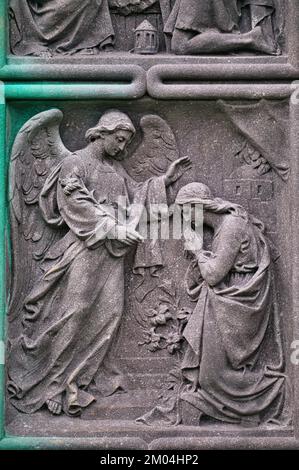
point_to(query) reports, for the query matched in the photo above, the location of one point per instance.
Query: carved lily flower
(70, 184)
(153, 347)
(150, 336)
(163, 309)
(173, 342)
(162, 316)
(184, 314)
(155, 338)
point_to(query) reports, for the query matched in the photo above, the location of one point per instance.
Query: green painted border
(82, 91)
(3, 222)
(3, 35)
(71, 91)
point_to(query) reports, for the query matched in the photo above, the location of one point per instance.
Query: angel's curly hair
(111, 121)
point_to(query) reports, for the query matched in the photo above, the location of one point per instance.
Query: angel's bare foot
(260, 44)
(55, 405)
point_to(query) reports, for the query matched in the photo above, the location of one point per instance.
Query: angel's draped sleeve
(85, 217)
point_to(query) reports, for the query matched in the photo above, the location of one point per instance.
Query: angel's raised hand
(177, 169)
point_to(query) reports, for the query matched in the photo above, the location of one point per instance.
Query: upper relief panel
(84, 28)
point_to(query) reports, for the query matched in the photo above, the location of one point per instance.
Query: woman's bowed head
(204, 208)
(190, 200)
(199, 195)
(199, 207)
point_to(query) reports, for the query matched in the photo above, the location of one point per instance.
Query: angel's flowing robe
(72, 316)
(63, 26)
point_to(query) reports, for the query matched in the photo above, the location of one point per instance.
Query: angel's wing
(37, 149)
(157, 150)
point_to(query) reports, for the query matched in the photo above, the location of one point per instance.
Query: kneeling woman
(232, 364)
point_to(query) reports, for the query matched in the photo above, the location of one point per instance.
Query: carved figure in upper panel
(213, 26)
(190, 27)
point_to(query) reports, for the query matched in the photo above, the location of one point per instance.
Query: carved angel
(69, 246)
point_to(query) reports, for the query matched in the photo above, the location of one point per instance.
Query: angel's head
(112, 134)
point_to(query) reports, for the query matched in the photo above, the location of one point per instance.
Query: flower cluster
(166, 322)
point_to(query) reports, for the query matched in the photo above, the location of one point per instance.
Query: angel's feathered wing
(157, 150)
(37, 149)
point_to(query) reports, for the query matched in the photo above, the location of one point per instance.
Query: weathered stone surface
(184, 26)
(152, 295)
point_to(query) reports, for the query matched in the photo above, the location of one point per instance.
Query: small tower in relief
(146, 39)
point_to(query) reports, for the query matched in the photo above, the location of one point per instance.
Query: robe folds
(232, 363)
(62, 26)
(72, 316)
(234, 360)
(223, 16)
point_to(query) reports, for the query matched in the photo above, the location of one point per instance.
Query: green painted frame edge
(9, 91)
(3, 32)
(77, 90)
(3, 226)
(265, 71)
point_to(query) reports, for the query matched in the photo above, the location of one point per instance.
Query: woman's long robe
(233, 363)
(232, 366)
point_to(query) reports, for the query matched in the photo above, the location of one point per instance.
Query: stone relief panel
(111, 320)
(185, 27)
